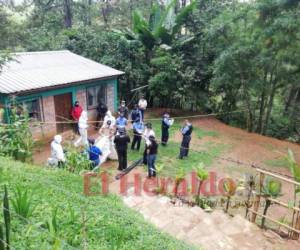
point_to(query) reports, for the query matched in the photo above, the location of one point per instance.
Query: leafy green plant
(180, 175)
(76, 161)
(51, 222)
(15, 137)
(6, 215)
(270, 189)
(202, 175)
(22, 202)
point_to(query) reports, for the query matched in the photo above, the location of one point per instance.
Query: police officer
(121, 141)
(165, 125)
(186, 139)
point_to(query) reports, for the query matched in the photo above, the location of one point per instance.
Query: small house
(48, 83)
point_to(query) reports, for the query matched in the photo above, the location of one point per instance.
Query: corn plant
(271, 188)
(202, 175)
(229, 188)
(16, 138)
(6, 214)
(22, 203)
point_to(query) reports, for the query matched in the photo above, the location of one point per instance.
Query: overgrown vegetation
(218, 56)
(62, 213)
(15, 137)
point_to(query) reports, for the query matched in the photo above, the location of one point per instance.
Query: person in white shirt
(57, 153)
(142, 106)
(82, 125)
(147, 133)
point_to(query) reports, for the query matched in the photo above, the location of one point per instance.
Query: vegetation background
(205, 55)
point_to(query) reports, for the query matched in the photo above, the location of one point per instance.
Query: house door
(63, 107)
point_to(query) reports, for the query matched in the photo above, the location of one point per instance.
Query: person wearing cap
(136, 114)
(147, 133)
(165, 125)
(138, 129)
(94, 153)
(76, 113)
(186, 132)
(82, 125)
(123, 109)
(57, 153)
(142, 106)
(121, 142)
(152, 149)
(121, 122)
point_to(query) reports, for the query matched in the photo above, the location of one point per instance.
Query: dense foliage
(208, 55)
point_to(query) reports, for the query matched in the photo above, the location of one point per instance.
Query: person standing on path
(147, 133)
(186, 132)
(165, 125)
(136, 115)
(152, 149)
(123, 109)
(142, 106)
(138, 129)
(121, 141)
(82, 125)
(76, 113)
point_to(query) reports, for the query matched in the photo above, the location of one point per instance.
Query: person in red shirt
(76, 113)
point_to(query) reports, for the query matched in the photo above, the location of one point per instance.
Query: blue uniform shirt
(121, 122)
(138, 127)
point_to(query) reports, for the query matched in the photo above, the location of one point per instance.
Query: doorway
(63, 107)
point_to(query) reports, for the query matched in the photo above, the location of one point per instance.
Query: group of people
(116, 131)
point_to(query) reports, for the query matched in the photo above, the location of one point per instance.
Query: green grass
(168, 155)
(110, 225)
(278, 163)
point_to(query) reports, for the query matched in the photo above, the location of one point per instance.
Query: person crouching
(94, 154)
(152, 148)
(57, 153)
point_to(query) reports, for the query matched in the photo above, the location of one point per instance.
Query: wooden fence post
(257, 198)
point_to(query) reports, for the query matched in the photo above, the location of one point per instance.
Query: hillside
(109, 224)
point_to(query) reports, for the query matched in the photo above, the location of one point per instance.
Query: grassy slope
(110, 224)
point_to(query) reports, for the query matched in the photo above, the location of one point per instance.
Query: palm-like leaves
(201, 172)
(22, 203)
(295, 168)
(162, 25)
(271, 188)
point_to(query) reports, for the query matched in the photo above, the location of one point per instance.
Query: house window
(33, 109)
(95, 95)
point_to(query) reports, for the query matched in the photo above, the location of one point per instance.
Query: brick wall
(110, 97)
(47, 130)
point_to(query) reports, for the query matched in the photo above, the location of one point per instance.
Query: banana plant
(202, 175)
(270, 189)
(162, 26)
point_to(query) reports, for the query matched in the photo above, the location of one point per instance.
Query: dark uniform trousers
(136, 141)
(122, 157)
(164, 136)
(185, 144)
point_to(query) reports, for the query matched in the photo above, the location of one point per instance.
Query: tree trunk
(262, 105)
(67, 13)
(270, 107)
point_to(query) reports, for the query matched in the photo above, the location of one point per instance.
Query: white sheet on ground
(107, 147)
